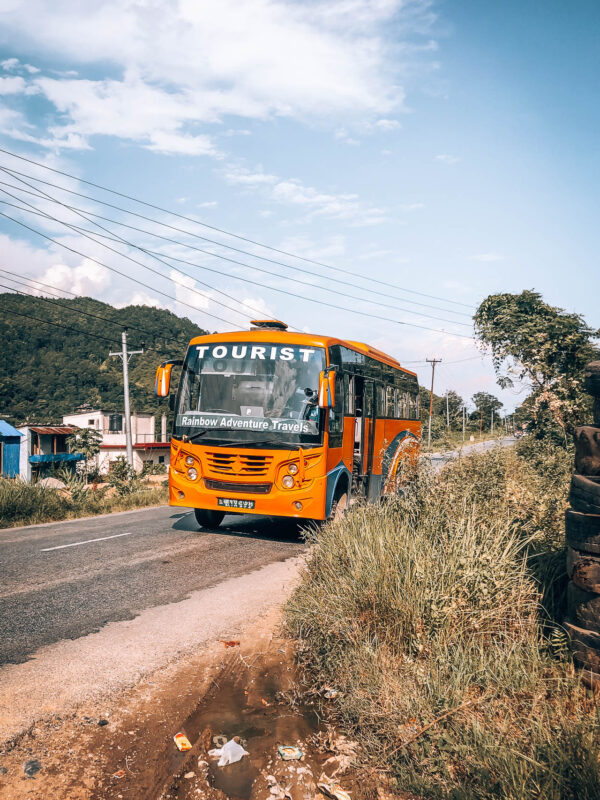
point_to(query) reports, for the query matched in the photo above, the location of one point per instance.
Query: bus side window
(397, 404)
(380, 400)
(390, 410)
(349, 395)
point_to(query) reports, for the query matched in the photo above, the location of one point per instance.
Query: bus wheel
(208, 519)
(340, 506)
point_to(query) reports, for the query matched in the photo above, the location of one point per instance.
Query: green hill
(47, 371)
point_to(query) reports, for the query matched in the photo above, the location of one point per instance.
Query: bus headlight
(288, 482)
(192, 473)
(189, 460)
(293, 469)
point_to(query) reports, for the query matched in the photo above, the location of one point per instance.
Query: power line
(225, 232)
(246, 280)
(210, 253)
(113, 269)
(78, 310)
(91, 236)
(66, 327)
(84, 214)
(155, 254)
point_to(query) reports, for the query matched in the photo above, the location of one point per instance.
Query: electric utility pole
(433, 362)
(492, 425)
(464, 410)
(447, 412)
(125, 355)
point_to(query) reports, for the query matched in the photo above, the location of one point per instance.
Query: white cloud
(9, 64)
(488, 257)
(197, 63)
(87, 278)
(412, 206)
(208, 204)
(343, 206)
(12, 85)
(445, 158)
(387, 124)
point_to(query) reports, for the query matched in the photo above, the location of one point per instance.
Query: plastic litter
(332, 789)
(102, 722)
(119, 773)
(290, 753)
(329, 693)
(231, 643)
(219, 740)
(182, 742)
(229, 753)
(32, 767)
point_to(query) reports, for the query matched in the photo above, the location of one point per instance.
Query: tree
(455, 407)
(485, 403)
(544, 346)
(85, 441)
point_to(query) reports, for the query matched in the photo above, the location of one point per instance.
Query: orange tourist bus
(286, 424)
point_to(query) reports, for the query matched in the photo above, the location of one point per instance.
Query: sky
(436, 151)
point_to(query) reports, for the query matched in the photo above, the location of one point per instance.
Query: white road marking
(87, 541)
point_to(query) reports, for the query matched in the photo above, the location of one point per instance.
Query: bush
(433, 608)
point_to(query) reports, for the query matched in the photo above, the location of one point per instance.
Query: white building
(146, 448)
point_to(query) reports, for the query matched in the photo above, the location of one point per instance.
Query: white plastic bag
(229, 753)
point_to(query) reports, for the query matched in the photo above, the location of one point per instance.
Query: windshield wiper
(206, 430)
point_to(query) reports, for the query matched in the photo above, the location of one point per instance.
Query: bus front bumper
(276, 503)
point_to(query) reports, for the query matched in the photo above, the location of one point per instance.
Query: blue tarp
(49, 458)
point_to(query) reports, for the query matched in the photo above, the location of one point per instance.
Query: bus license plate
(230, 502)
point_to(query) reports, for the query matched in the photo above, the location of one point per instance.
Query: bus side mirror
(327, 389)
(162, 385)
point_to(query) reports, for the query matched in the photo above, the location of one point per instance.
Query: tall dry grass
(24, 503)
(437, 608)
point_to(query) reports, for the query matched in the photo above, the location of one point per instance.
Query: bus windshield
(248, 393)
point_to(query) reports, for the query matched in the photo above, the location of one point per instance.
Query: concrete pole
(433, 362)
(125, 359)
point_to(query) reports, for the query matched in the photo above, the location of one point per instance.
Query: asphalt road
(67, 579)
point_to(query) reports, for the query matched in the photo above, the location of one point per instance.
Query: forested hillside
(47, 371)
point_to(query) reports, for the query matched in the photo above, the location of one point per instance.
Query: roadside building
(146, 448)
(10, 448)
(43, 450)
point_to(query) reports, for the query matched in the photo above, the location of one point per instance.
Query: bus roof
(278, 336)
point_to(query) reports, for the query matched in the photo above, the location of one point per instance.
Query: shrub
(433, 608)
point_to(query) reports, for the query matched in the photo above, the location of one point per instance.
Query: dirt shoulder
(121, 746)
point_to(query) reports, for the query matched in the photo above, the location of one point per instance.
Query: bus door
(369, 438)
(364, 437)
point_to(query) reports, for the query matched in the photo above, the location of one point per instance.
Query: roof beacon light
(268, 325)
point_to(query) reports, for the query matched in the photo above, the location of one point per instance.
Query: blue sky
(449, 148)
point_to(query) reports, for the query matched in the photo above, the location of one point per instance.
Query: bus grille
(248, 488)
(236, 464)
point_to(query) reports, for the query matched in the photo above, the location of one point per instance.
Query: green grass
(440, 605)
(28, 503)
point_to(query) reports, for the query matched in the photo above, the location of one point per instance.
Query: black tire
(585, 494)
(208, 519)
(585, 645)
(583, 531)
(584, 570)
(591, 379)
(584, 608)
(587, 450)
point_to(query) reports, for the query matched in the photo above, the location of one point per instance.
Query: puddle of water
(235, 708)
